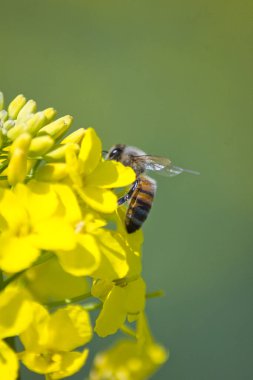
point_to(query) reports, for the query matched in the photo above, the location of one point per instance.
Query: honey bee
(142, 192)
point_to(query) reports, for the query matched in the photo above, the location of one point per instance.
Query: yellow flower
(94, 178)
(8, 362)
(127, 299)
(50, 340)
(129, 359)
(31, 220)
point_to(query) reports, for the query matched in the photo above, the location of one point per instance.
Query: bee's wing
(162, 165)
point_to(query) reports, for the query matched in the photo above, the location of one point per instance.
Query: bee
(142, 192)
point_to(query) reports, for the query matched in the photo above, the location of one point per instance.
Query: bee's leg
(127, 196)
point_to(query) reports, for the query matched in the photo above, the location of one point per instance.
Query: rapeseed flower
(50, 341)
(64, 252)
(136, 358)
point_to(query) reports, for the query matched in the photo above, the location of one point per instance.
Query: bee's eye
(115, 154)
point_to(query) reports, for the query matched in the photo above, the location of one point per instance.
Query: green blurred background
(174, 78)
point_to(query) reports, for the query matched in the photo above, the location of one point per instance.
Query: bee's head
(115, 152)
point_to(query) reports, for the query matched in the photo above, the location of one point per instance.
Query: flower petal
(16, 311)
(8, 362)
(69, 328)
(84, 259)
(38, 198)
(90, 152)
(48, 282)
(99, 199)
(55, 234)
(113, 263)
(71, 362)
(17, 253)
(113, 315)
(111, 174)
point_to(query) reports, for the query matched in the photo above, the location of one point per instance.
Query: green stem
(1, 280)
(68, 301)
(126, 330)
(155, 294)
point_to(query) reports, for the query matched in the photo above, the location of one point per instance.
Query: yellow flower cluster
(64, 252)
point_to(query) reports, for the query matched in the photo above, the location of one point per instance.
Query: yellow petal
(8, 362)
(113, 263)
(71, 362)
(113, 315)
(84, 259)
(111, 174)
(54, 234)
(74, 137)
(11, 210)
(17, 253)
(48, 282)
(90, 152)
(16, 311)
(52, 172)
(57, 365)
(101, 200)
(72, 212)
(39, 200)
(69, 328)
(135, 296)
(36, 335)
(39, 363)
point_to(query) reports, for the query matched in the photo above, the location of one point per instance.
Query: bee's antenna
(104, 151)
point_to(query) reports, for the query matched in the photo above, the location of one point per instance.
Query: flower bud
(52, 172)
(29, 107)
(40, 145)
(1, 100)
(74, 137)
(58, 154)
(3, 115)
(35, 123)
(8, 124)
(16, 105)
(58, 127)
(17, 168)
(49, 113)
(15, 131)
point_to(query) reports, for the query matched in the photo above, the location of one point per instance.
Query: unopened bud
(40, 145)
(35, 123)
(58, 127)
(49, 114)
(29, 107)
(74, 137)
(3, 115)
(17, 168)
(52, 172)
(8, 124)
(1, 100)
(15, 131)
(16, 105)
(58, 154)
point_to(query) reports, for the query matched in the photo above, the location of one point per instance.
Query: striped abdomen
(140, 203)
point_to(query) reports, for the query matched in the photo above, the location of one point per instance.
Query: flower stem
(126, 330)
(68, 301)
